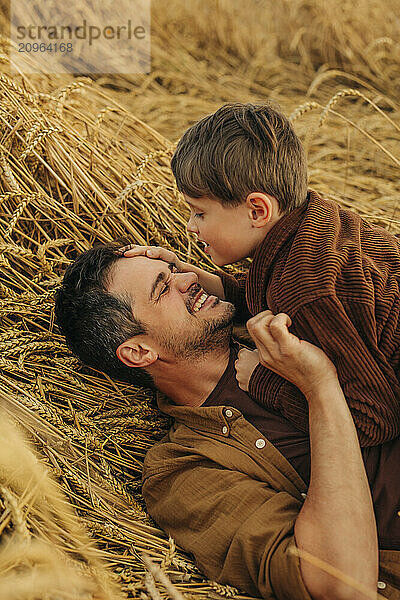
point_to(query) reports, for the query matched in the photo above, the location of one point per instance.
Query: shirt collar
(203, 418)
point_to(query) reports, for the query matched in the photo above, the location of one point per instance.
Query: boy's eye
(198, 215)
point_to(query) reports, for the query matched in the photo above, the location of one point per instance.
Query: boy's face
(227, 231)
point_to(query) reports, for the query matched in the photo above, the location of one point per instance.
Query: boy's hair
(95, 322)
(242, 148)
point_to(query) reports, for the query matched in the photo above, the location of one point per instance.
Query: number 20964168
(45, 47)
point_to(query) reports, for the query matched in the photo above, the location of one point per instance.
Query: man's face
(183, 320)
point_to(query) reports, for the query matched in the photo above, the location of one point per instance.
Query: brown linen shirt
(227, 495)
(382, 463)
(338, 278)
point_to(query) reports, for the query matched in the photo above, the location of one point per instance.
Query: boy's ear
(136, 353)
(260, 208)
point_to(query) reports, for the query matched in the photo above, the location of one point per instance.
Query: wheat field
(85, 160)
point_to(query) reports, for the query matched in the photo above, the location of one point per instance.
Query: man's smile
(201, 300)
(205, 302)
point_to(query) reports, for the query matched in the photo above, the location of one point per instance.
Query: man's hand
(245, 364)
(153, 252)
(301, 363)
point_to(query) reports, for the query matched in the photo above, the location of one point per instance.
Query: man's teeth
(199, 303)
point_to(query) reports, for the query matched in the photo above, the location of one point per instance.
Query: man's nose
(185, 280)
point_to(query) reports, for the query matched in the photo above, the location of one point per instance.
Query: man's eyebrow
(160, 277)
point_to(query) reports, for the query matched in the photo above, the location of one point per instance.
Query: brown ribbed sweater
(338, 278)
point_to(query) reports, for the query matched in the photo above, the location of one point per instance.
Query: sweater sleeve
(235, 292)
(369, 384)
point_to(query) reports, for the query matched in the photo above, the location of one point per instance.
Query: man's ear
(261, 208)
(136, 353)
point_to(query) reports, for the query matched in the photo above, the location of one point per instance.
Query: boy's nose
(190, 226)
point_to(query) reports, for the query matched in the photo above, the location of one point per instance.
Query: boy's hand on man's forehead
(135, 248)
(151, 252)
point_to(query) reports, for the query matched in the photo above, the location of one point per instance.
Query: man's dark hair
(242, 148)
(94, 321)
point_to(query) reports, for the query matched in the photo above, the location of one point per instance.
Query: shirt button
(224, 429)
(381, 585)
(260, 443)
(303, 495)
(229, 413)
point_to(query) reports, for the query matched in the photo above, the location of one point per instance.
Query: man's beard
(212, 336)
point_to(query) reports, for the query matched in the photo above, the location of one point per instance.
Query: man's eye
(198, 215)
(165, 289)
(168, 283)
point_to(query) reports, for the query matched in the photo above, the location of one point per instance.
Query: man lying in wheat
(234, 484)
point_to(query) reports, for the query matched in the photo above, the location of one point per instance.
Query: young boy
(243, 173)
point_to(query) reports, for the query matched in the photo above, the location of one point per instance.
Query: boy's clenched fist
(245, 364)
